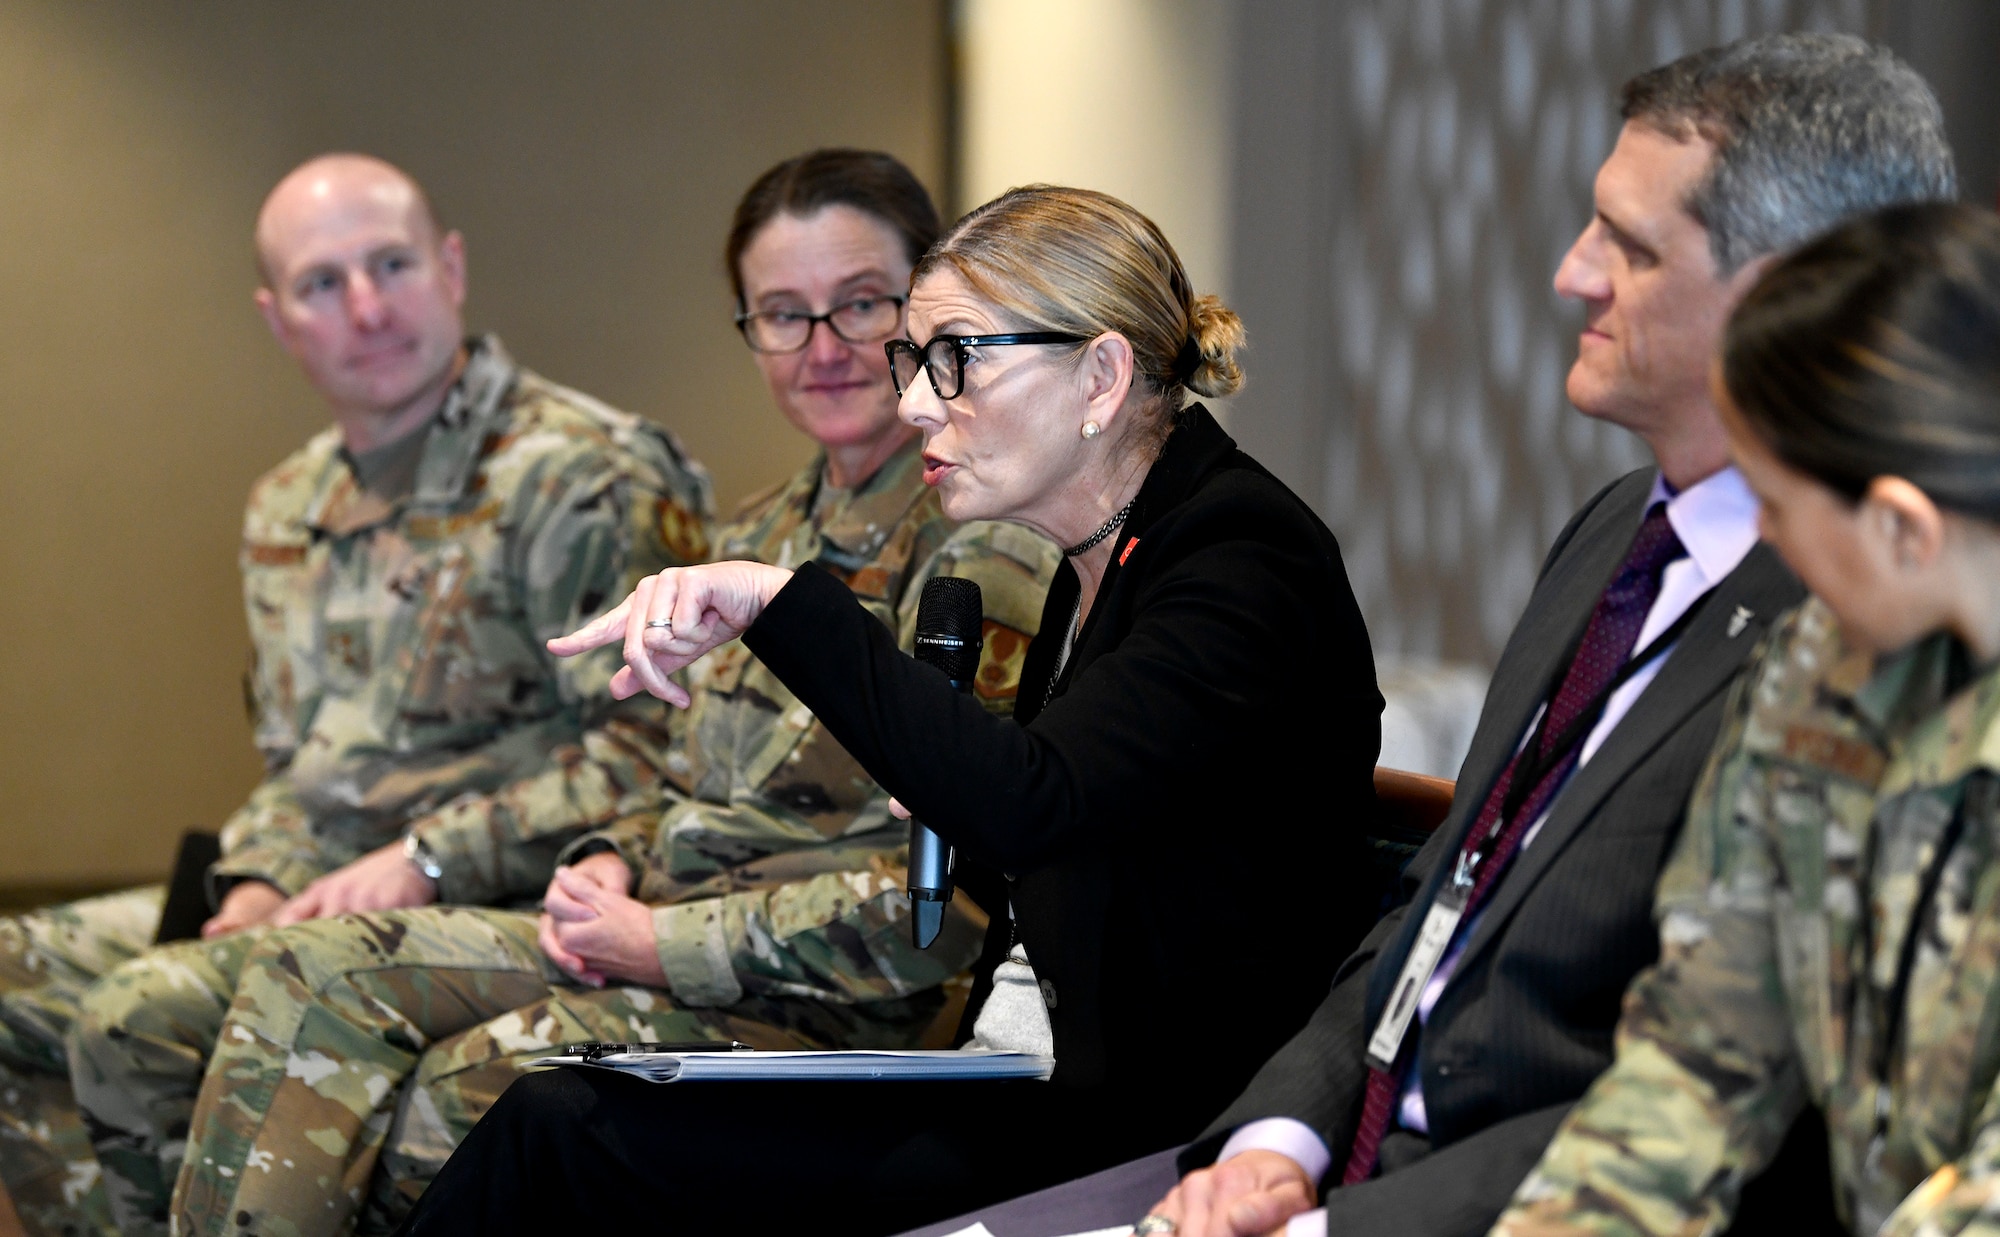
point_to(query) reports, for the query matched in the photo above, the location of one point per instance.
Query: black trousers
(589, 1150)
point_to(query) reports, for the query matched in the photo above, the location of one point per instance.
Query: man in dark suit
(1454, 1040)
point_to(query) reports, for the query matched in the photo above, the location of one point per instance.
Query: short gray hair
(1809, 130)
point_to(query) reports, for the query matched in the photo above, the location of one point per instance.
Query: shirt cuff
(285, 874)
(586, 846)
(693, 943)
(1307, 1224)
(1295, 1140)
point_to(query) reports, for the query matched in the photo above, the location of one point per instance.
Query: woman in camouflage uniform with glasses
(765, 904)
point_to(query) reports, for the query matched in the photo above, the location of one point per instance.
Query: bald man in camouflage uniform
(773, 883)
(398, 596)
(399, 687)
(1785, 914)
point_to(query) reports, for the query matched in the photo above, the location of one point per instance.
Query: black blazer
(1185, 815)
(1526, 1021)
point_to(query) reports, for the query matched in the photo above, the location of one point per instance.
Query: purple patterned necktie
(1606, 645)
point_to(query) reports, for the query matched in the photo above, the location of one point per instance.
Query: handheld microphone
(949, 634)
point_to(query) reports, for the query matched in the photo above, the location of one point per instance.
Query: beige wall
(591, 154)
(1131, 97)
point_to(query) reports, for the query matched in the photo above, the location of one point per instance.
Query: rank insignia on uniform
(1739, 620)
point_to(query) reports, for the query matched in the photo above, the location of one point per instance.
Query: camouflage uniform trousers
(306, 1089)
(48, 959)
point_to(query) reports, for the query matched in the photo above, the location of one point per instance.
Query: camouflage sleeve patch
(1000, 662)
(682, 531)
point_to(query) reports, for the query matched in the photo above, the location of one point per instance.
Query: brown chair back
(1415, 802)
(1409, 808)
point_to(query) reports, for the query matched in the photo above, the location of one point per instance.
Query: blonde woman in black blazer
(1177, 808)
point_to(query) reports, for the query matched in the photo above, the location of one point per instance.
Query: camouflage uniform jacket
(776, 868)
(399, 679)
(1785, 915)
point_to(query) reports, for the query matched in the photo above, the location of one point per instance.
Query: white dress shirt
(1716, 521)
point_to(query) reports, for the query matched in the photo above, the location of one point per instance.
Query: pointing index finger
(598, 632)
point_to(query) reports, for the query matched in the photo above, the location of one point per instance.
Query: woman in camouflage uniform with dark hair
(1830, 924)
(765, 904)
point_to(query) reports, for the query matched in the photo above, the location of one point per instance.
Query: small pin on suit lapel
(1739, 620)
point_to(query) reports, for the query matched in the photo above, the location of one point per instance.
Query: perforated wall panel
(1468, 134)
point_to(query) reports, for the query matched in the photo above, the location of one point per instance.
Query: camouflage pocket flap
(880, 854)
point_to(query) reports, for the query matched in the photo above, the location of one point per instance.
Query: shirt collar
(454, 443)
(1715, 518)
(473, 407)
(1936, 734)
(859, 521)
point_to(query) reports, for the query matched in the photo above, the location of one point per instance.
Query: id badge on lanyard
(1448, 909)
(1440, 925)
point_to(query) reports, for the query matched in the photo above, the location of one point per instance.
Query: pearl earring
(1091, 429)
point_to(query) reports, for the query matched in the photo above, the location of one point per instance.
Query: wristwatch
(422, 858)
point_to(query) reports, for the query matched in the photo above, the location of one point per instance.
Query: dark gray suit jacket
(1526, 1021)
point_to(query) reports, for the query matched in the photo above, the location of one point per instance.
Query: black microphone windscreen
(949, 627)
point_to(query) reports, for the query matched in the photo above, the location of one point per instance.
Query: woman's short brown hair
(1084, 262)
(867, 180)
(1875, 351)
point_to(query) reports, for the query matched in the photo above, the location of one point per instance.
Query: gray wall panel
(1409, 174)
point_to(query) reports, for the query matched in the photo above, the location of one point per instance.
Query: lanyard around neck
(1983, 787)
(1536, 762)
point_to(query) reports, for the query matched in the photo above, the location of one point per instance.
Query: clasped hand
(593, 928)
(1248, 1195)
(708, 606)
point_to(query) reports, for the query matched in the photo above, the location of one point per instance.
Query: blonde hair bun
(1083, 262)
(1218, 334)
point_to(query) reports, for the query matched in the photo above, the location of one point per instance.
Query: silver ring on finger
(1154, 1224)
(666, 625)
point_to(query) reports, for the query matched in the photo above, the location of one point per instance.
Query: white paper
(860, 1066)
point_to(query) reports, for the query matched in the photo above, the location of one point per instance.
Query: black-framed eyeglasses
(943, 358)
(862, 320)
